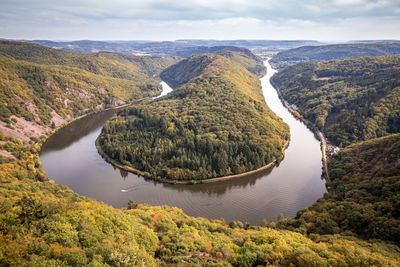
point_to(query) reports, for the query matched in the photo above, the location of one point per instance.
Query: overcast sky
(337, 20)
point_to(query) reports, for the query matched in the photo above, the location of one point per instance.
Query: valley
(109, 216)
(286, 188)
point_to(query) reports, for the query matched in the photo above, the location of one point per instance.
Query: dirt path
(323, 140)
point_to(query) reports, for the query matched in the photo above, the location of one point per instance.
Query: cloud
(158, 19)
(348, 2)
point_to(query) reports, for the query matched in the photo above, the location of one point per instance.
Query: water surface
(70, 157)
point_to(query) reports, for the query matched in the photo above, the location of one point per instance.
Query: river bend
(70, 157)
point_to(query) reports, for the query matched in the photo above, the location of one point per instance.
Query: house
(332, 151)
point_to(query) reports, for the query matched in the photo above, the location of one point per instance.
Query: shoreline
(145, 175)
(36, 148)
(325, 159)
(317, 133)
(53, 131)
(192, 181)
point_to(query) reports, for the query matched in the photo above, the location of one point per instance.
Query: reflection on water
(76, 130)
(70, 157)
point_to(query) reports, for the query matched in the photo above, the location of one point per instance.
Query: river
(70, 157)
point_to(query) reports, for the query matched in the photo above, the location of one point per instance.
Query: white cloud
(221, 19)
(238, 21)
(349, 2)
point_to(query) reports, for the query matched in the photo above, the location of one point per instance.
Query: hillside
(130, 67)
(328, 52)
(366, 178)
(185, 70)
(350, 99)
(42, 88)
(45, 224)
(215, 124)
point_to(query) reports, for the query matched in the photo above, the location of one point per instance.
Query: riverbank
(53, 131)
(69, 122)
(187, 182)
(317, 133)
(323, 140)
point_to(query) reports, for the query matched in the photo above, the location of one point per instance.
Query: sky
(336, 20)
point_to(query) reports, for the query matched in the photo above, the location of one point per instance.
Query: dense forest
(215, 124)
(350, 100)
(46, 87)
(187, 69)
(366, 203)
(328, 52)
(47, 224)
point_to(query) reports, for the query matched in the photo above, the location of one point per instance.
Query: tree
(131, 205)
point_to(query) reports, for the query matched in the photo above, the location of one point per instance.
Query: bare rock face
(81, 93)
(57, 119)
(23, 129)
(117, 102)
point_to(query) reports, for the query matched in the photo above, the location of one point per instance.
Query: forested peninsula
(215, 123)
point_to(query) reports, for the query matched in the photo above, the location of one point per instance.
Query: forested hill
(180, 73)
(217, 123)
(350, 99)
(328, 52)
(43, 87)
(240, 55)
(366, 177)
(131, 67)
(186, 69)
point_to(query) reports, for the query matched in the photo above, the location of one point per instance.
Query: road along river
(70, 157)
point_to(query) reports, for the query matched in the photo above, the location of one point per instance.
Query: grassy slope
(42, 223)
(350, 99)
(218, 113)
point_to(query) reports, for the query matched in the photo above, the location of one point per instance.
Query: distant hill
(43, 87)
(328, 52)
(350, 100)
(215, 123)
(366, 179)
(374, 42)
(174, 48)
